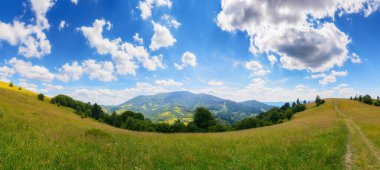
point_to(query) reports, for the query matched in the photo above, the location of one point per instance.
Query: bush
(10, 84)
(41, 97)
(19, 88)
(319, 101)
(367, 99)
(218, 128)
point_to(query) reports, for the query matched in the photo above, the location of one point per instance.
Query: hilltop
(38, 135)
(169, 107)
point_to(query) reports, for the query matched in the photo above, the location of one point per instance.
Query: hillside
(169, 107)
(38, 135)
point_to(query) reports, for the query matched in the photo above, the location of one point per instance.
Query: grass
(39, 135)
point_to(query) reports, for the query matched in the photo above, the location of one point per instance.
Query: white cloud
(215, 83)
(146, 6)
(355, 58)
(113, 97)
(41, 7)
(70, 72)
(138, 39)
(6, 73)
(330, 78)
(161, 37)
(26, 85)
(171, 21)
(29, 71)
(256, 68)
(62, 25)
(51, 87)
(261, 90)
(125, 55)
(272, 59)
(168, 83)
(284, 27)
(74, 2)
(30, 39)
(188, 59)
(102, 71)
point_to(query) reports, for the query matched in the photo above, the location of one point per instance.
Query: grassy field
(39, 135)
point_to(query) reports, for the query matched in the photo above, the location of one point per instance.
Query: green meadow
(341, 134)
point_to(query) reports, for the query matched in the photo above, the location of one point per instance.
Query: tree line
(367, 99)
(203, 119)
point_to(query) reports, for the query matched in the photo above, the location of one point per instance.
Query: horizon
(110, 52)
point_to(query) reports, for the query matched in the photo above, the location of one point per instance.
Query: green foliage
(41, 97)
(273, 116)
(367, 99)
(319, 101)
(203, 118)
(10, 84)
(19, 88)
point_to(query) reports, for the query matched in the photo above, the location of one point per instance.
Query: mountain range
(169, 107)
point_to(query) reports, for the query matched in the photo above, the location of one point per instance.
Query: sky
(110, 51)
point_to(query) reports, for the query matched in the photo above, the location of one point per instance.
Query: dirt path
(355, 130)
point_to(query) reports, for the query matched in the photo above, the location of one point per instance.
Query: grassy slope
(36, 135)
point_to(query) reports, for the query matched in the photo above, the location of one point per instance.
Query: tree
(10, 84)
(319, 101)
(96, 111)
(203, 118)
(367, 99)
(286, 106)
(360, 98)
(41, 97)
(351, 98)
(298, 101)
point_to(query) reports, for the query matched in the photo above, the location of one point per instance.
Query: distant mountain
(168, 107)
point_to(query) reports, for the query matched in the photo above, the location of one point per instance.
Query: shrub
(367, 99)
(19, 88)
(41, 97)
(10, 84)
(319, 101)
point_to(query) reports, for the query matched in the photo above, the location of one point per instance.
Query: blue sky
(240, 50)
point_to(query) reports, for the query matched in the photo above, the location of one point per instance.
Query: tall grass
(38, 135)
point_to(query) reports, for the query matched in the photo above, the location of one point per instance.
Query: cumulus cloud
(215, 83)
(30, 39)
(62, 25)
(69, 72)
(51, 87)
(329, 78)
(125, 55)
(188, 59)
(102, 71)
(146, 6)
(168, 83)
(6, 73)
(138, 39)
(272, 59)
(284, 27)
(28, 71)
(26, 85)
(161, 37)
(256, 68)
